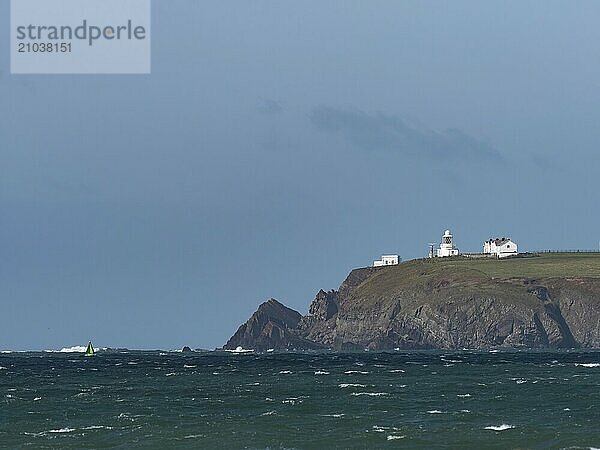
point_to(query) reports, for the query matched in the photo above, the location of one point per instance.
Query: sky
(277, 145)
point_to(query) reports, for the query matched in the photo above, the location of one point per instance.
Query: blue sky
(277, 145)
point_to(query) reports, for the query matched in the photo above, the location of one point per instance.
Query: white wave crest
(350, 372)
(240, 350)
(588, 365)
(74, 349)
(392, 437)
(321, 372)
(502, 427)
(435, 411)
(346, 385)
(62, 430)
(372, 394)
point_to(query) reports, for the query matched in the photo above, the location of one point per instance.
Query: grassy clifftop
(440, 280)
(544, 265)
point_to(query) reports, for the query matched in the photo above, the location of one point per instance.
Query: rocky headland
(543, 301)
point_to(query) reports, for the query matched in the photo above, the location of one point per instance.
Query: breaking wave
(391, 437)
(74, 349)
(62, 430)
(372, 394)
(502, 427)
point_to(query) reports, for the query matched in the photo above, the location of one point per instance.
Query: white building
(387, 260)
(500, 247)
(447, 247)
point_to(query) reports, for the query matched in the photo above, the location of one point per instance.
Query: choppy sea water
(355, 400)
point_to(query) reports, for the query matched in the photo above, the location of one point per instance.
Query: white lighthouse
(447, 247)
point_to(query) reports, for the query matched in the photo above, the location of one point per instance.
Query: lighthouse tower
(447, 246)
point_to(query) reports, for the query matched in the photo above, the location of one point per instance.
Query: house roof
(500, 241)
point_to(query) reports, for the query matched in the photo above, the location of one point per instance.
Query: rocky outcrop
(272, 326)
(419, 305)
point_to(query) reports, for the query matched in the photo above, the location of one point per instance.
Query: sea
(428, 399)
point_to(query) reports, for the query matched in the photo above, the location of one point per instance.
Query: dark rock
(272, 326)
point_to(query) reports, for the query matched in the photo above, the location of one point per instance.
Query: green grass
(440, 279)
(544, 265)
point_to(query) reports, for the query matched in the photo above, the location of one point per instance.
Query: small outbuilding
(500, 247)
(387, 260)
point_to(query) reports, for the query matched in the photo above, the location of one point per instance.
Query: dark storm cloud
(380, 131)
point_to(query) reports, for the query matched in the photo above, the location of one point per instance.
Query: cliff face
(431, 304)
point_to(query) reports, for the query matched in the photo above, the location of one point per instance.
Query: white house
(500, 247)
(447, 247)
(387, 260)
